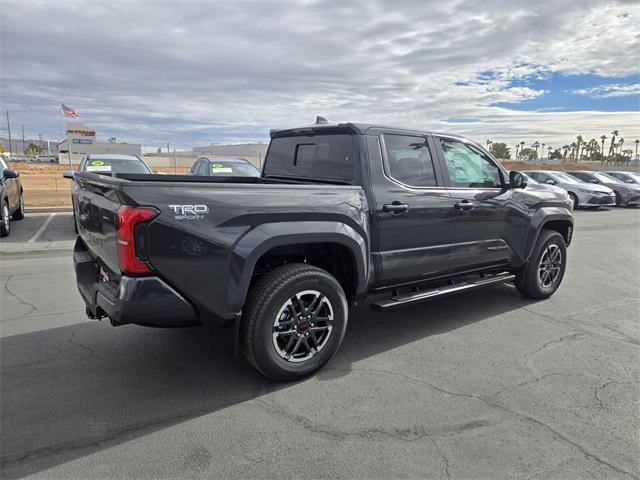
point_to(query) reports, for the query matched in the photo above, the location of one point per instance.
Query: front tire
(618, 199)
(19, 213)
(294, 321)
(5, 220)
(543, 273)
(574, 200)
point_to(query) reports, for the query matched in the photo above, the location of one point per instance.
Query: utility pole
(23, 147)
(9, 130)
(175, 162)
(168, 151)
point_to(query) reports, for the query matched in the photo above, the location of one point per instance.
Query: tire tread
(259, 296)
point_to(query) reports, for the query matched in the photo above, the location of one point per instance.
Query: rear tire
(19, 213)
(618, 199)
(5, 220)
(294, 321)
(543, 273)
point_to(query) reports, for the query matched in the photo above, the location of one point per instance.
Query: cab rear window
(318, 157)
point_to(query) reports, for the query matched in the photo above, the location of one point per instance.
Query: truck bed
(202, 255)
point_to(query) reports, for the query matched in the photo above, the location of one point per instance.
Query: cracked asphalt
(482, 385)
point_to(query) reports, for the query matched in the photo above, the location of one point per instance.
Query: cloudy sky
(192, 73)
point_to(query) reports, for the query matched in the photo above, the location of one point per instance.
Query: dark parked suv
(11, 198)
(340, 213)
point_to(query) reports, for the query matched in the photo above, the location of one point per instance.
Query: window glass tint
(322, 157)
(194, 167)
(409, 160)
(469, 167)
(604, 178)
(564, 178)
(112, 165)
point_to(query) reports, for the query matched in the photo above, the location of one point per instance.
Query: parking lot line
(42, 228)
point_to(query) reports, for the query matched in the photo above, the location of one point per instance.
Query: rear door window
(318, 157)
(409, 160)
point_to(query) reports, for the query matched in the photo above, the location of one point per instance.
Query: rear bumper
(145, 301)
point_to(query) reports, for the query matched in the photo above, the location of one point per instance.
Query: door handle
(464, 205)
(395, 207)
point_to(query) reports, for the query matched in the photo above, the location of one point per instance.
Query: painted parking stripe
(42, 228)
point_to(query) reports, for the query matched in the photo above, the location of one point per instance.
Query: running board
(411, 298)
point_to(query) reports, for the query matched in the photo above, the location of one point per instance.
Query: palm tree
(636, 142)
(595, 148)
(536, 145)
(521, 147)
(489, 142)
(580, 142)
(573, 152)
(603, 138)
(565, 149)
(549, 150)
(614, 134)
(542, 150)
(517, 146)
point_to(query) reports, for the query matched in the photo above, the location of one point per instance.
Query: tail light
(132, 239)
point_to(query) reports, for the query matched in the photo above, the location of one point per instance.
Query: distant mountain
(18, 148)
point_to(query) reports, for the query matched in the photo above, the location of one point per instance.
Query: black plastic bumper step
(411, 298)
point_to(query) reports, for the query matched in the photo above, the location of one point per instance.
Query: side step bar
(411, 298)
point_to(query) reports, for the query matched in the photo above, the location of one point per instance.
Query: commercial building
(81, 140)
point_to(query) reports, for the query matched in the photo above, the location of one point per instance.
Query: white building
(81, 140)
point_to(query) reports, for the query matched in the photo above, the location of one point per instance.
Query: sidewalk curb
(28, 210)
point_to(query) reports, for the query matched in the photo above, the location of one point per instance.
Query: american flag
(68, 111)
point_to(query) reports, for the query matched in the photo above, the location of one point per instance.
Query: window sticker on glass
(99, 168)
(218, 168)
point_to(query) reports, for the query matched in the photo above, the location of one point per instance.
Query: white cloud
(611, 90)
(198, 71)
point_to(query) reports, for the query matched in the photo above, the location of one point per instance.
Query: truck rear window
(319, 157)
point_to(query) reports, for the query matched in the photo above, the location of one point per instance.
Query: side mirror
(8, 173)
(517, 180)
(550, 182)
(68, 174)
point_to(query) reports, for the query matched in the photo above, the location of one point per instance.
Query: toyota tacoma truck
(341, 213)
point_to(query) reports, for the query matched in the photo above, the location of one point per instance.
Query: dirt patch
(44, 185)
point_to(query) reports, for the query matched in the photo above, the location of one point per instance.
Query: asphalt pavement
(485, 384)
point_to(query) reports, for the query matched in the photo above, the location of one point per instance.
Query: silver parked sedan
(626, 194)
(626, 177)
(582, 194)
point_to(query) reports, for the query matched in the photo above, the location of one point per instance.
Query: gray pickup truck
(340, 213)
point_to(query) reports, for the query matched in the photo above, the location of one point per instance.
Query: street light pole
(9, 130)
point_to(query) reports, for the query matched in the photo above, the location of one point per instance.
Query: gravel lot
(482, 385)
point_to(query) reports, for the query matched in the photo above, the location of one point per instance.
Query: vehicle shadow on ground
(85, 387)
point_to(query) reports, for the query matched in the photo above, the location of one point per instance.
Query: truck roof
(357, 128)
